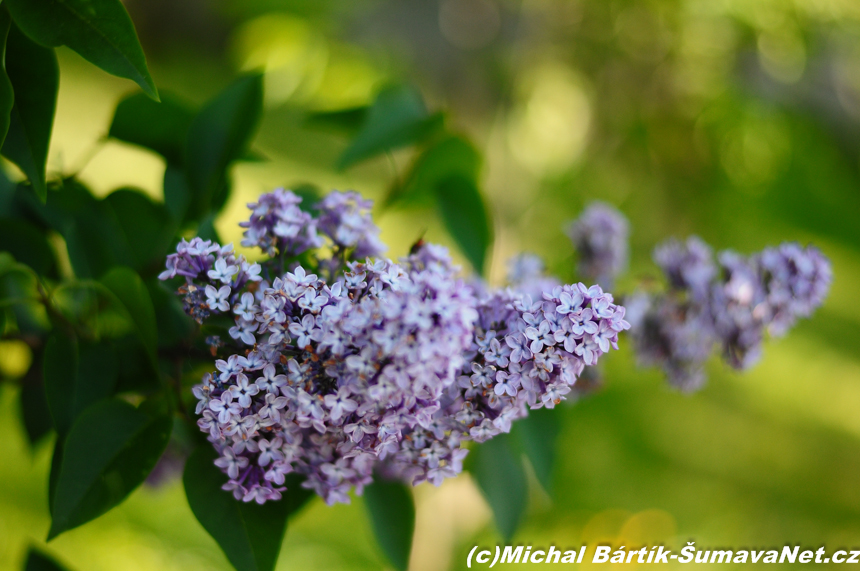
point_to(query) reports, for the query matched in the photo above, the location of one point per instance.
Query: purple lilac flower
(600, 237)
(213, 274)
(386, 367)
(278, 226)
(796, 281)
(345, 219)
(730, 304)
(688, 266)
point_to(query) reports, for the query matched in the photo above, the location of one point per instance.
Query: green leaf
(76, 376)
(94, 310)
(310, 195)
(499, 472)
(35, 414)
(137, 373)
(146, 227)
(94, 239)
(537, 434)
(398, 118)
(131, 292)
(28, 244)
(207, 231)
(7, 94)
(392, 512)
(451, 156)
(38, 561)
(54, 476)
(66, 201)
(99, 30)
(35, 77)
(296, 497)
(60, 369)
(219, 135)
(109, 451)
(177, 194)
(466, 218)
(174, 325)
(8, 190)
(18, 282)
(160, 127)
(347, 120)
(249, 534)
(253, 156)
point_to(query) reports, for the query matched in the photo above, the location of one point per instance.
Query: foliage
(113, 350)
(104, 329)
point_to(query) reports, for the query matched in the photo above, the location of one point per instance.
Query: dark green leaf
(60, 369)
(137, 373)
(93, 309)
(160, 127)
(207, 230)
(131, 292)
(28, 244)
(35, 414)
(345, 120)
(296, 497)
(220, 135)
(17, 282)
(126, 228)
(249, 534)
(449, 157)
(537, 434)
(310, 195)
(253, 156)
(54, 476)
(177, 194)
(66, 200)
(109, 451)
(500, 475)
(8, 265)
(145, 225)
(392, 512)
(7, 95)
(76, 376)
(35, 78)
(172, 322)
(397, 118)
(8, 189)
(38, 561)
(95, 238)
(466, 218)
(99, 30)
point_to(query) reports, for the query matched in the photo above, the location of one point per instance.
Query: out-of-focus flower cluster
(600, 237)
(381, 366)
(729, 303)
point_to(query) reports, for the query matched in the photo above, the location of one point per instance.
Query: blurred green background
(737, 120)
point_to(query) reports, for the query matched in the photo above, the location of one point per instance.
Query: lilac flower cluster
(225, 274)
(729, 303)
(600, 236)
(345, 218)
(384, 366)
(279, 226)
(528, 354)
